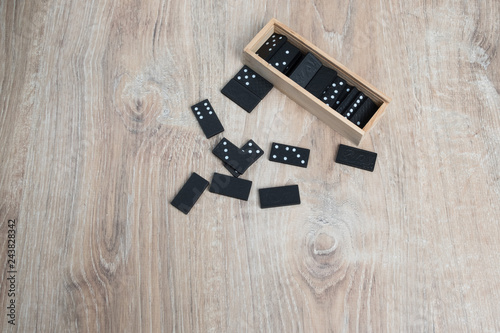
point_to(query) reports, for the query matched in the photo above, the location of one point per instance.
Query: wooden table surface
(96, 138)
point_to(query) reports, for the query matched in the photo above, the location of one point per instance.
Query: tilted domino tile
(355, 105)
(190, 193)
(332, 93)
(347, 101)
(228, 153)
(356, 157)
(232, 171)
(364, 113)
(239, 160)
(270, 46)
(253, 153)
(305, 70)
(323, 79)
(287, 154)
(279, 196)
(285, 57)
(206, 117)
(230, 186)
(243, 97)
(343, 95)
(253, 82)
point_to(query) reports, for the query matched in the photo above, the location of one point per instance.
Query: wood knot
(138, 102)
(325, 255)
(324, 244)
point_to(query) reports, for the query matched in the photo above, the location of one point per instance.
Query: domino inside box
(293, 87)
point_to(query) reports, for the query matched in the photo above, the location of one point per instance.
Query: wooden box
(301, 96)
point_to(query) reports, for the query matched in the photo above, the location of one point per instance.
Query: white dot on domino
(303, 162)
(287, 148)
(287, 52)
(205, 104)
(201, 117)
(253, 76)
(250, 144)
(247, 83)
(226, 157)
(196, 108)
(225, 150)
(257, 151)
(277, 64)
(294, 150)
(224, 143)
(274, 156)
(284, 63)
(276, 146)
(198, 113)
(298, 155)
(284, 158)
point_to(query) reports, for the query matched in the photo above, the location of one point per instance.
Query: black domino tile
(305, 70)
(347, 101)
(252, 152)
(231, 170)
(230, 186)
(331, 94)
(190, 193)
(206, 117)
(279, 196)
(348, 89)
(285, 57)
(229, 153)
(358, 101)
(287, 154)
(238, 159)
(240, 95)
(270, 46)
(355, 157)
(364, 113)
(323, 79)
(259, 86)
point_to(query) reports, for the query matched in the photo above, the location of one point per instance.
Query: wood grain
(96, 137)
